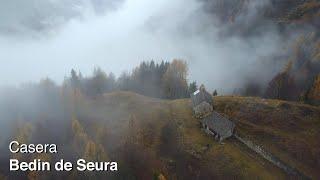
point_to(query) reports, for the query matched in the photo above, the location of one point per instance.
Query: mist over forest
(49, 38)
(89, 75)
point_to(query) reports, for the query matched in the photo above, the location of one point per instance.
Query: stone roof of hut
(219, 124)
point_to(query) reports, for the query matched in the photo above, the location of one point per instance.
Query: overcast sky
(49, 37)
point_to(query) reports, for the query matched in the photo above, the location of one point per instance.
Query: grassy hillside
(153, 138)
(172, 140)
(288, 130)
(167, 130)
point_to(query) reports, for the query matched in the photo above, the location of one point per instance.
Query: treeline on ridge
(161, 80)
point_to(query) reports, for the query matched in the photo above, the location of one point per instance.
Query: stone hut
(213, 123)
(200, 96)
(202, 110)
(202, 103)
(218, 126)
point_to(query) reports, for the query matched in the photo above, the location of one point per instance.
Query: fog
(49, 38)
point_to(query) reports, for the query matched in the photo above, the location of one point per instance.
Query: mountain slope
(286, 129)
(296, 80)
(153, 138)
(172, 140)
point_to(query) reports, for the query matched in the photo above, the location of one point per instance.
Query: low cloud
(121, 37)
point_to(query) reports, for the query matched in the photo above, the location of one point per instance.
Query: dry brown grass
(168, 130)
(166, 139)
(288, 130)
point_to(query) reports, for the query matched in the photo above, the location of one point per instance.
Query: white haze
(119, 39)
